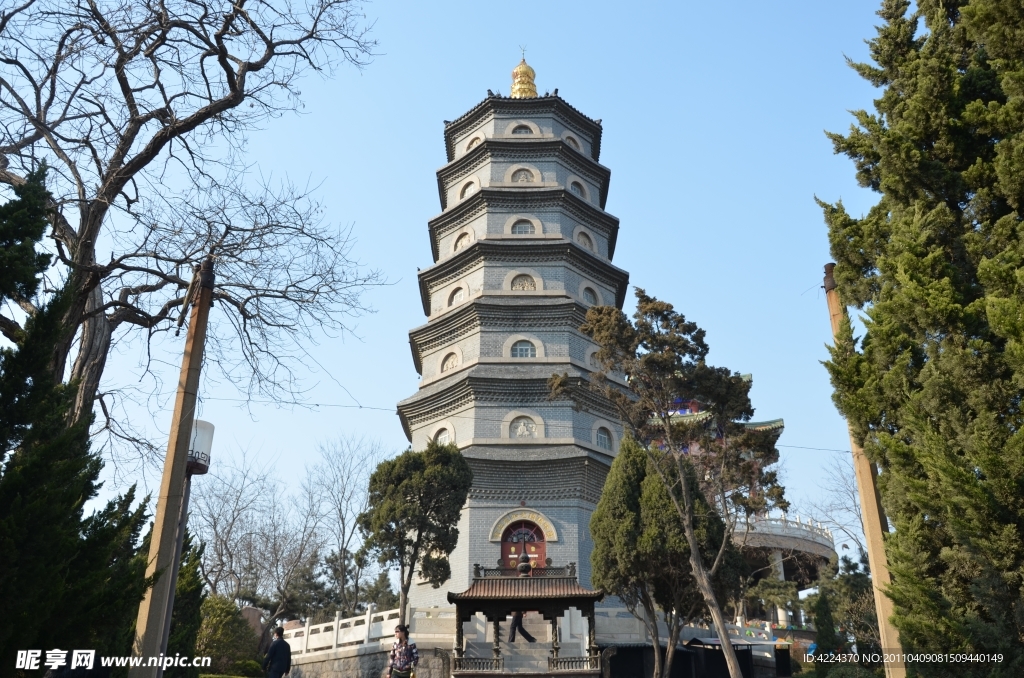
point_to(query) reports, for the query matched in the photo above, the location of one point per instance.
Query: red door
(522, 536)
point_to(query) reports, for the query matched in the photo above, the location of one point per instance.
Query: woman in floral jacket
(404, 655)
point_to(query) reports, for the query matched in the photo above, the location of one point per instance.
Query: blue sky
(713, 120)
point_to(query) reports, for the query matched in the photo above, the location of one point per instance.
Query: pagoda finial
(523, 86)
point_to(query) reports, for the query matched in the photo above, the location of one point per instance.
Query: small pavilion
(497, 593)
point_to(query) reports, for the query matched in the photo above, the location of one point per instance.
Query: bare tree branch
(142, 110)
(839, 508)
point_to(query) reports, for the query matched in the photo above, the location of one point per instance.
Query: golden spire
(523, 86)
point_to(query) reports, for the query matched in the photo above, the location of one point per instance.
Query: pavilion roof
(525, 589)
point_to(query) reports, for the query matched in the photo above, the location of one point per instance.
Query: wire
(820, 449)
(295, 402)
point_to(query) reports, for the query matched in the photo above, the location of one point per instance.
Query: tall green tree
(827, 640)
(641, 553)
(68, 580)
(851, 598)
(415, 501)
(616, 564)
(712, 466)
(934, 388)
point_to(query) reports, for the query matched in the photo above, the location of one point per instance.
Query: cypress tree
(641, 554)
(826, 638)
(934, 388)
(22, 225)
(68, 581)
(616, 526)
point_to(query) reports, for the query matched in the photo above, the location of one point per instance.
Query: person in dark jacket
(278, 661)
(517, 624)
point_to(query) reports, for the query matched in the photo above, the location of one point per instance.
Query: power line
(301, 404)
(820, 449)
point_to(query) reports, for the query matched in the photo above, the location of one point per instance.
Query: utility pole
(871, 512)
(153, 616)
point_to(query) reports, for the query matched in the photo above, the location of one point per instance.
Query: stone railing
(785, 527)
(478, 663)
(591, 663)
(617, 626)
(372, 627)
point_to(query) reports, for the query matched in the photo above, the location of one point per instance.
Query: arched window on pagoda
(523, 536)
(523, 227)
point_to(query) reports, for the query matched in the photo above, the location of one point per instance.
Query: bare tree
(265, 546)
(340, 482)
(258, 540)
(141, 109)
(839, 508)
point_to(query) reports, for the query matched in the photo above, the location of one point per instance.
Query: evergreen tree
(852, 601)
(415, 501)
(641, 553)
(934, 389)
(826, 638)
(616, 564)
(224, 635)
(380, 593)
(186, 617)
(22, 225)
(68, 581)
(715, 470)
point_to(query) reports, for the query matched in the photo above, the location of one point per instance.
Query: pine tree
(415, 501)
(715, 469)
(935, 387)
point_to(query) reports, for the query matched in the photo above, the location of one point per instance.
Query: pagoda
(521, 249)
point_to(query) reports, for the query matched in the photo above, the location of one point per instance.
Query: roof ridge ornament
(523, 86)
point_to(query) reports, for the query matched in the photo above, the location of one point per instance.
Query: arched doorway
(522, 535)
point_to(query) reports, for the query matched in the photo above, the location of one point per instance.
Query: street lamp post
(199, 455)
(153, 610)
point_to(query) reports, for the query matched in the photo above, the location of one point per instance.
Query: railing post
(305, 636)
(370, 608)
(337, 623)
